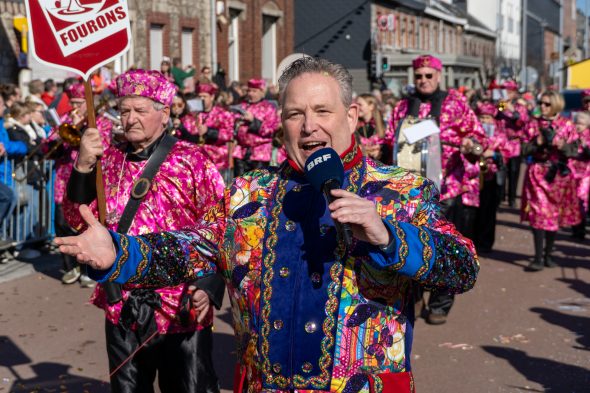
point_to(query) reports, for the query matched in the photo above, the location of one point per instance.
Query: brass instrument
(68, 133)
(501, 106)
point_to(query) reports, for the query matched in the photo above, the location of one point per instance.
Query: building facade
(244, 38)
(402, 30)
(505, 18)
(377, 40)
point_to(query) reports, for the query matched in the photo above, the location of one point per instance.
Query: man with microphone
(311, 309)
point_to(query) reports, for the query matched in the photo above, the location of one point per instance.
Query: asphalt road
(516, 331)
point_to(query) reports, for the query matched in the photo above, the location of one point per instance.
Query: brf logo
(78, 24)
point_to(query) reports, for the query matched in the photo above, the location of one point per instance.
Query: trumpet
(501, 106)
(68, 134)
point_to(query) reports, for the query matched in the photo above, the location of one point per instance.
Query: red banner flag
(78, 35)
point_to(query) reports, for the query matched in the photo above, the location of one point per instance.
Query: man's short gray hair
(313, 65)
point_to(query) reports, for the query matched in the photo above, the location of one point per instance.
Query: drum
(422, 157)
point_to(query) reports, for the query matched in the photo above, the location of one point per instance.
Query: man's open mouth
(309, 146)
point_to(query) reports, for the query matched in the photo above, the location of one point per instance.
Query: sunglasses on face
(177, 105)
(545, 103)
(420, 76)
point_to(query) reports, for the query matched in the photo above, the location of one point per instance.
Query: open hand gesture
(94, 247)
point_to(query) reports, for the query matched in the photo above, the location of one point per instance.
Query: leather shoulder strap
(142, 185)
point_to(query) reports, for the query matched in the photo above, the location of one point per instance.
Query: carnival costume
(309, 315)
(185, 186)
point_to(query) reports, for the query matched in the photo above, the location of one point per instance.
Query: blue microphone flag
(324, 165)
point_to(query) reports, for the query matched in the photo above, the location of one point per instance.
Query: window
(510, 24)
(234, 45)
(269, 47)
(500, 21)
(156, 47)
(186, 46)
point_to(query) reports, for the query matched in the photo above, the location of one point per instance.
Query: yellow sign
(20, 24)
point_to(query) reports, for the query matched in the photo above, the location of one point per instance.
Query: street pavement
(516, 331)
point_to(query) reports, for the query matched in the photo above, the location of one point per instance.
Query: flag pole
(100, 197)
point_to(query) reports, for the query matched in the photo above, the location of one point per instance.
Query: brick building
(382, 37)
(251, 37)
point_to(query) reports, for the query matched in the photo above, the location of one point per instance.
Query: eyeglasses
(420, 76)
(544, 103)
(177, 105)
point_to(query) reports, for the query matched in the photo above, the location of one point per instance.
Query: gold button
(307, 367)
(316, 278)
(297, 188)
(276, 368)
(311, 327)
(278, 324)
(290, 226)
(284, 272)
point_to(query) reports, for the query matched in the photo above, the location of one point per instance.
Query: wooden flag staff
(100, 196)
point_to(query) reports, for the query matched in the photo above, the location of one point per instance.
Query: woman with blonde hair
(371, 132)
(549, 191)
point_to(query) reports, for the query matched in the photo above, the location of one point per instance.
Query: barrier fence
(30, 218)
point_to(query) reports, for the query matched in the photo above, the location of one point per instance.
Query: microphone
(325, 172)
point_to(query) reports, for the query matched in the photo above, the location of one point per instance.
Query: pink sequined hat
(257, 84)
(486, 108)
(427, 61)
(510, 85)
(76, 91)
(208, 88)
(586, 94)
(146, 83)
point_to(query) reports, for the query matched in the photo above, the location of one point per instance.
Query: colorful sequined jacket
(308, 315)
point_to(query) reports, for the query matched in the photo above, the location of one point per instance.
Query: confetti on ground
(465, 347)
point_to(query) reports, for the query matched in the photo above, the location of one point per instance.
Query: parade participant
(580, 167)
(181, 189)
(183, 123)
(460, 136)
(309, 312)
(492, 166)
(514, 117)
(260, 121)
(64, 162)
(372, 133)
(215, 126)
(549, 191)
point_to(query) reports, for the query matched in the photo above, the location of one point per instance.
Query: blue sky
(582, 4)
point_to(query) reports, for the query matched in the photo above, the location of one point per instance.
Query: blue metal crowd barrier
(31, 218)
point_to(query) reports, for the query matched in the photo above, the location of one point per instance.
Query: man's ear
(165, 115)
(353, 117)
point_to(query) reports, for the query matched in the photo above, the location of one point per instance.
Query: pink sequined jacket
(186, 186)
(549, 199)
(257, 135)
